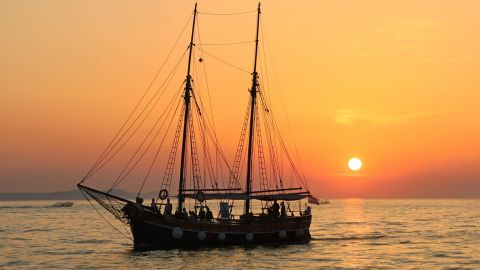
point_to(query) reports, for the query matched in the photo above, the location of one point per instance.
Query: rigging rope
(206, 79)
(210, 127)
(106, 220)
(277, 176)
(202, 127)
(207, 165)
(265, 64)
(220, 151)
(301, 171)
(158, 151)
(223, 61)
(104, 153)
(167, 82)
(227, 14)
(168, 173)
(226, 43)
(122, 177)
(217, 158)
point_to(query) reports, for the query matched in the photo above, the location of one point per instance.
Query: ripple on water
(360, 234)
(92, 241)
(347, 238)
(19, 239)
(38, 230)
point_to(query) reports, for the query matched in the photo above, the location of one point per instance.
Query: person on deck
(184, 213)
(139, 203)
(192, 217)
(178, 214)
(209, 214)
(201, 214)
(168, 208)
(308, 210)
(283, 211)
(270, 212)
(275, 209)
(154, 206)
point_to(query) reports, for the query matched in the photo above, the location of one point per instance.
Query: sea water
(347, 234)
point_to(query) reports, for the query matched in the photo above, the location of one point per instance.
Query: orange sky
(393, 82)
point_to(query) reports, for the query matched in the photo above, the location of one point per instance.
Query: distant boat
(324, 201)
(266, 159)
(62, 204)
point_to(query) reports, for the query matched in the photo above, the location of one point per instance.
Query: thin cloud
(348, 117)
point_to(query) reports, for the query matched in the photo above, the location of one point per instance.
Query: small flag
(313, 200)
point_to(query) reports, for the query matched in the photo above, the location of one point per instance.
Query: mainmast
(188, 88)
(253, 95)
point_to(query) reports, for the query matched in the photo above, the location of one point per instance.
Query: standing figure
(168, 208)
(154, 206)
(275, 209)
(283, 211)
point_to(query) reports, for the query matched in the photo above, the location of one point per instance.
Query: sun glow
(354, 164)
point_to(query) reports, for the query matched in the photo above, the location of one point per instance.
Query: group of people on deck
(168, 207)
(274, 212)
(277, 211)
(205, 214)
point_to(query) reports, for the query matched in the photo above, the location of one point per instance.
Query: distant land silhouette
(74, 194)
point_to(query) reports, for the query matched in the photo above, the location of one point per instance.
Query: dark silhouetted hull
(164, 232)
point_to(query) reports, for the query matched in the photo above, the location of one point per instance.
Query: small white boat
(62, 204)
(324, 201)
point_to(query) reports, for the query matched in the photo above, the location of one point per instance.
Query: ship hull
(165, 232)
(153, 230)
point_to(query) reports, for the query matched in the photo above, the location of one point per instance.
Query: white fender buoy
(221, 236)
(299, 233)
(201, 236)
(249, 237)
(282, 234)
(177, 233)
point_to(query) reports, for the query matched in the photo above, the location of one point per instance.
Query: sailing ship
(206, 181)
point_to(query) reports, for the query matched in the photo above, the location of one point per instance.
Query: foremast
(188, 89)
(251, 138)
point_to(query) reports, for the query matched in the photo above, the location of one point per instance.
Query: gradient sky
(395, 83)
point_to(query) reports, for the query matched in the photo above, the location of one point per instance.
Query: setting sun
(170, 128)
(354, 164)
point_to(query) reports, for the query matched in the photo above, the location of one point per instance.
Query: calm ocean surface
(349, 233)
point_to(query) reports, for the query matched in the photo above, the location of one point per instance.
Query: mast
(188, 88)
(253, 95)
